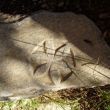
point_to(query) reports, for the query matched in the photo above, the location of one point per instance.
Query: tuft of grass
(44, 102)
(106, 99)
(24, 104)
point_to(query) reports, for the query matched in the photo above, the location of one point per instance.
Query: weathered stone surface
(51, 51)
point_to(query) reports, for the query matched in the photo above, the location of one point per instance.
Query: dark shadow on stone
(76, 38)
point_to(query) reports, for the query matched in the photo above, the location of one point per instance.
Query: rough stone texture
(51, 51)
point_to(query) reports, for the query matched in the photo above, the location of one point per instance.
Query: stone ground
(101, 17)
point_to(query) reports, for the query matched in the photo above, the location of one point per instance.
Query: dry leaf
(59, 48)
(73, 58)
(38, 66)
(73, 72)
(64, 78)
(44, 47)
